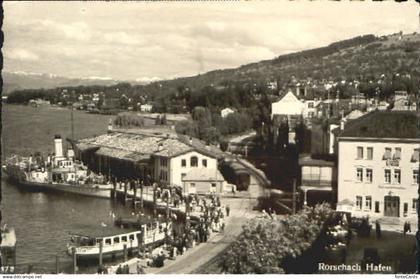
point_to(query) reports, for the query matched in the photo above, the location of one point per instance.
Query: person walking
(378, 229)
(227, 210)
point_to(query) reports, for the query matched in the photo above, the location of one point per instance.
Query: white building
(226, 111)
(146, 108)
(378, 165)
(403, 101)
(310, 108)
(289, 105)
(171, 167)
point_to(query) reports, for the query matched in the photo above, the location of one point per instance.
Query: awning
(316, 188)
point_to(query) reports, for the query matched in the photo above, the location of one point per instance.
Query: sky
(146, 41)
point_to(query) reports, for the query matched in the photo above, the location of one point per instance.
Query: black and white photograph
(210, 137)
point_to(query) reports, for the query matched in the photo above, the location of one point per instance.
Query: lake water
(43, 221)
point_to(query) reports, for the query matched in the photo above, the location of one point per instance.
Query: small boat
(87, 247)
(58, 173)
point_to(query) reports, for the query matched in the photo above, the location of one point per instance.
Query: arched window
(194, 161)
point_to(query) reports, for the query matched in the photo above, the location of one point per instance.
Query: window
(360, 174)
(405, 208)
(213, 185)
(369, 174)
(311, 114)
(205, 163)
(108, 241)
(116, 239)
(415, 176)
(397, 154)
(387, 176)
(183, 163)
(397, 176)
(377, 207)
(415, 156)
(183, 175)
(194, 161)
(359, 200)
(415, 204)
(387, 154)
(163, 175)
(124, 238)
(370, 153)
(359, 152)
(192, 185)
(163, 162)
(131, 236)
(368, 202)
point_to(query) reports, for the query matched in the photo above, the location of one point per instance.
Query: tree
(266, 243)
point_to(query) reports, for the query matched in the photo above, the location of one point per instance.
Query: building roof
(137, 146)
(384, 124)
(203, 174)
(354, 114)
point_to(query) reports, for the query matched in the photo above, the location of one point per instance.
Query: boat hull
(83, 190)
(117, 254)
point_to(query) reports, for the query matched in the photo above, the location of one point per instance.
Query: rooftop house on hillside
(378, 165)
(404, 101)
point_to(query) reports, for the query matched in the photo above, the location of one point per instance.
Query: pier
(139, 198)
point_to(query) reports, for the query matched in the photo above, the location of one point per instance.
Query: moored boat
(88, 247)
(58, 173)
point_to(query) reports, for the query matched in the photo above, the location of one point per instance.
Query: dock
(144, 198)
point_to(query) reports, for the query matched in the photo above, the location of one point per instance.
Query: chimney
(160, 146)
(58, 146)
(191, 141)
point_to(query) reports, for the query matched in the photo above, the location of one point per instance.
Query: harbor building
(153, 155)
(378, 165)
(202, 181)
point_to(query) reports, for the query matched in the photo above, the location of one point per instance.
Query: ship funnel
(58, 146)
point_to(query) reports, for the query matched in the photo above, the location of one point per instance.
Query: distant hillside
(375, 66)
(358, 58)
(20, 80)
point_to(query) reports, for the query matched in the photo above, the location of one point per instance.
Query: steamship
(59, 173)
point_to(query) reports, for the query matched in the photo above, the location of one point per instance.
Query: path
(241, 211)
